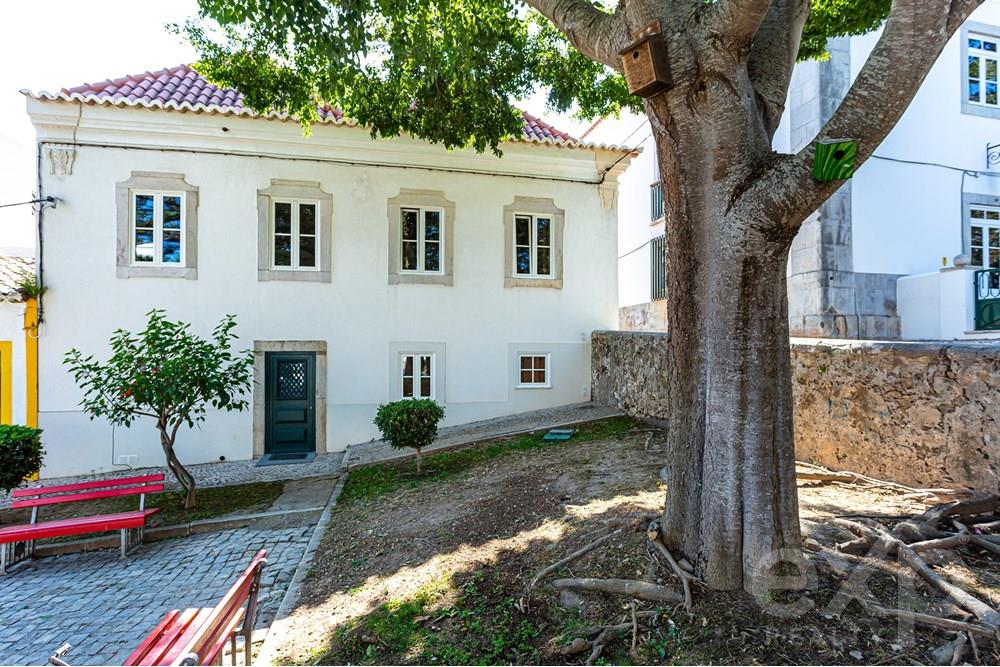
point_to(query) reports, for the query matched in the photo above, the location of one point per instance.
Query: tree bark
(731, 505)
(181, 474)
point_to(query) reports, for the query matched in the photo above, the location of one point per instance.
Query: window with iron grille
(658, 268)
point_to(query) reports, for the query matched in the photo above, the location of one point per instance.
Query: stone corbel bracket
(61, 158)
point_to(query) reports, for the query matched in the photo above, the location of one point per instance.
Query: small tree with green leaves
(409, 423)
(169, 374)
(21, 454)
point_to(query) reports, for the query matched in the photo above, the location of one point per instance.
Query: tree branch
(595, 34)
(773, 56)
(737, 21)
(914, 35)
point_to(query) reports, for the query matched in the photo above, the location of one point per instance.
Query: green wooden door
(290, 426)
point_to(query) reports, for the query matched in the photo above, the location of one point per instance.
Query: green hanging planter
(834, 159)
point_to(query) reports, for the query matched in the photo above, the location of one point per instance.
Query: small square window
(533, 370)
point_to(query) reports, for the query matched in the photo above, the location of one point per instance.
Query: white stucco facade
(476, 326)
(895, 232)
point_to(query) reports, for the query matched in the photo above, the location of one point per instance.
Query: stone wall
(923, 414)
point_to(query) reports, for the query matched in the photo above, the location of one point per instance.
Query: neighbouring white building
(360, 271)
(910, 247)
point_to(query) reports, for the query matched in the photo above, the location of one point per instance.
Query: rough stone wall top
(922, 414)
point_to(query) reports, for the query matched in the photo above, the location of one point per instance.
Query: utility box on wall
(647, 70)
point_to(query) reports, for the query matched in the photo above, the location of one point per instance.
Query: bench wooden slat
(90, 495)
(176, 635)
(84, 486)
(152, 638)
(84, 524)
(210, 653)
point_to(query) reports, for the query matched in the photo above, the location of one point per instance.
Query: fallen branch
(541, 574)
(934, 621)
(821, 474)
(956, 657)
(631, 587)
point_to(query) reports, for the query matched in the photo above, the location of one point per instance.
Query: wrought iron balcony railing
(658, 268)
(987, 285)
(655, 201)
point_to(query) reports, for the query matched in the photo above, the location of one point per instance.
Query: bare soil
(433, 574)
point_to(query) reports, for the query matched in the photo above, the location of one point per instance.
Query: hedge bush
(409, 423)
(21, 454)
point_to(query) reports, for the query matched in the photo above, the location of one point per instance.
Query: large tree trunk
(184, 478)
(731, 503)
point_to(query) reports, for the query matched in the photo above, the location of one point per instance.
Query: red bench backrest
(212, 636)
(94, 490)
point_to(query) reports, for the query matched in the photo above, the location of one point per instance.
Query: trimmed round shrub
(20, 454)
(409, 423)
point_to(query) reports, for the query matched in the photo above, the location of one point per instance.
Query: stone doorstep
(483, 438)
(260, 521)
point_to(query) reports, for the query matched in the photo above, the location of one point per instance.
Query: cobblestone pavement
(105, 606)
(453, 436)
(218, 473)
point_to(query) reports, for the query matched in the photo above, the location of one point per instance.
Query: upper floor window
(417, 371)
(982, 58)
(294, 234)
(984, 236)
(533, 246)
(421, 239)
(158, 228)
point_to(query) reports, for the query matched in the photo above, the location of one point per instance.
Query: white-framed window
(421, 238)
(984, 236)
(157, 224)
(981, 70)
(417, 375)
(295, 232)
(532, 245)
(533, 370)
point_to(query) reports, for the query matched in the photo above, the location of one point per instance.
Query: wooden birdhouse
(647, 71)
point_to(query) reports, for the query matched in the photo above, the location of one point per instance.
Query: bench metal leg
(13, 553)
(131, 538)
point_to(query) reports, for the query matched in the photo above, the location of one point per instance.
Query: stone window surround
(410, 198)
(289, 189)
(398, 348)
(158, 182)
(260, 349)
(969, 199)
(534, 206)
(514, 353)
(986, 30)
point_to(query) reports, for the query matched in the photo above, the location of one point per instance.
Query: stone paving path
(105, 606)
(453, 436)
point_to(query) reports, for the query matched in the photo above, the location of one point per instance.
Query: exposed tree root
(933, 621)
(653, 533)
(595, 638)
(642, 590)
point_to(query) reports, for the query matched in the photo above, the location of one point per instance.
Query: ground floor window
(533, 370)
(417, 372)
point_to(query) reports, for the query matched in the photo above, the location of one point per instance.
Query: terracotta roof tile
(183, 89)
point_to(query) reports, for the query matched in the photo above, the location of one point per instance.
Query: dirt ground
(434, 573)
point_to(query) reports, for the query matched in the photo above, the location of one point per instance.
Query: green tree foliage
(446, 71)
(21, 454)
(409, 423)
(166, 373)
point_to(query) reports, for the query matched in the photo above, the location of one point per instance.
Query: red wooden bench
(17, 542)
(198, 636)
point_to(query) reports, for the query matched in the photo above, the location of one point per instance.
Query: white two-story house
(360, 271)
(907, 249)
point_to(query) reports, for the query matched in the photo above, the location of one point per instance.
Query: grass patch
(375, 481)
(482, 627)
(211, 503)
